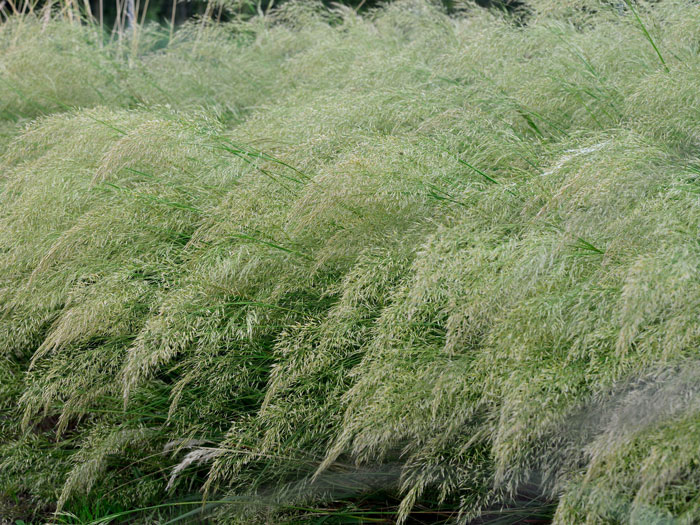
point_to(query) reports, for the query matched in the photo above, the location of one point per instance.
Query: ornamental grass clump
(317, 265)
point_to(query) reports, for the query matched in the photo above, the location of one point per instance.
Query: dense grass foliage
(317, 265)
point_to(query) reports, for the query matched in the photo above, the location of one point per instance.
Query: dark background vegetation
(162, 10)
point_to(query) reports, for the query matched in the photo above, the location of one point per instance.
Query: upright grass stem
(647, 35)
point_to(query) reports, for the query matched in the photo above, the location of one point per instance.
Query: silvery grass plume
(197, 456)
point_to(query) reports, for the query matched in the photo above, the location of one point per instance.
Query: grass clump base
(318, 266)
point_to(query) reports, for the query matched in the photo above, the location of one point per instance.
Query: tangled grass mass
(318, 267)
